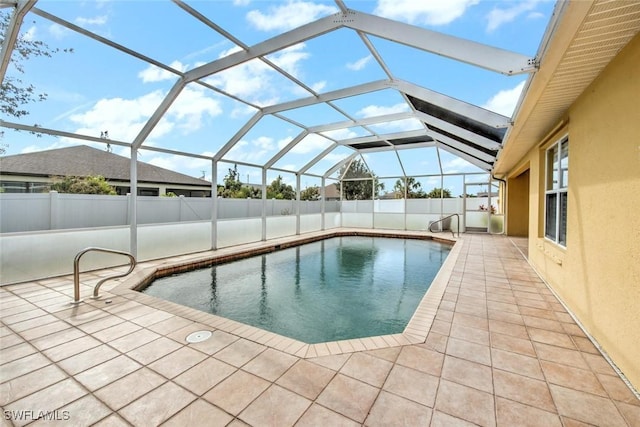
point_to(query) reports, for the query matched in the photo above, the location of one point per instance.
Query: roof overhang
(581, 40)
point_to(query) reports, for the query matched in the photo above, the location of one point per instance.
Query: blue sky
(97, 88)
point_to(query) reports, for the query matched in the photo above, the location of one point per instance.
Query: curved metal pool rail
(76, 270)
(450, 229)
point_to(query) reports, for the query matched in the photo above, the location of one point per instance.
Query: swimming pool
(334, 289)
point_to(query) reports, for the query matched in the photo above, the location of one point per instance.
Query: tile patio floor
(501, 350)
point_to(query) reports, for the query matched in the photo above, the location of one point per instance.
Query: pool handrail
(76, 271)
(450, 229)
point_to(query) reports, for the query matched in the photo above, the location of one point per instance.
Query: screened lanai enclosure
(379, 115)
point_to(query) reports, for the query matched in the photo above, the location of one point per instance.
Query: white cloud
(311, 143)
(30, 35)
(379, 110)
(124, 118)
(359, 64)
(429, 12)
(156, 74)
(257, 82)
(498, 17)
(58, 31)
(287, 16)
(241, 2)
(97, 20)
(457, 164)
(252, 151)
(340, 134)
(504, 102)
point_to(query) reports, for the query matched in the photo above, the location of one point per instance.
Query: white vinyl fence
(41, 234)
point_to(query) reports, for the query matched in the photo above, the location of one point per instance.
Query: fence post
(180, 207)
(54, 210)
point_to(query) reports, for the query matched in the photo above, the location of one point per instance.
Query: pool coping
(415, 332)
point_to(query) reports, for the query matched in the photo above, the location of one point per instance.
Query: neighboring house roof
(83, 160)
(583, 38)
(331, 191)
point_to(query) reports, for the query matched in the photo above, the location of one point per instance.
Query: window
(557, 181)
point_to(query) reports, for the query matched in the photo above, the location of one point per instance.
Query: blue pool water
(334, 289)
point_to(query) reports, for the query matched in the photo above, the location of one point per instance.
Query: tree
(436, 193)
(234, 189)
(15, 94)
(359, 189)
(414, 188)
(310, 193)
(279, 190)
(93, 184)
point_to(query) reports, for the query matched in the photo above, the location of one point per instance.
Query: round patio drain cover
(198, 336)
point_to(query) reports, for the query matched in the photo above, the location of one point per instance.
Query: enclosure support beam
(324, 202)
(133, 212)
(264, 204)
(214, 205)
(297, 204)
(11, 34)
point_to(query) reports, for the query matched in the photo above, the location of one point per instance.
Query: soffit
(600, 29)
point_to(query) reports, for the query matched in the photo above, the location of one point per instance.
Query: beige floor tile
(523, 389)
(154, 350)
(48, 399)
(24, 385)
(16, 352)
(559, 339)
(440, 419)
(270, 364)
(617, 389)
(366, 368)
(513, 344)
(87, 359)
(107, 372)
(412, 384)
(112, 421)
(71, 348)
(511, 413)
(175, 363)
(157, 406)
(586, 407)
(469, 351)
(390, 354)
(204, 376)
(200, 413)
(421, 359)
(57, 338)
(390, 410)
(218, 341)
(100, 324)
(466, 403)
(306, 378)
(561, 355)
(133, 340)
(598, 364)
(39, 326)
(630, 412)
(577, 379)
(168, 325)
(348, 397)
(508, 328)
(236, 392)
(468, 373)
(83, 412)
(275, 407)
(470, 321)
(114, 332)
(333, 362)
(478, 336)
(127, 389)
(240, 352)
(318, 415)
(22, 366)
(516, 363)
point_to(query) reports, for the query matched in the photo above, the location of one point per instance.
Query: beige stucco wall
(598, 274)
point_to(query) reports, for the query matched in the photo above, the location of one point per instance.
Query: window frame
(553, 167)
